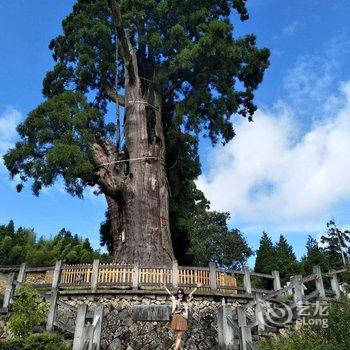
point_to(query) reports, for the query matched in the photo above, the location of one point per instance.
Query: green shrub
(336, 336)
(12, 344)
(295, 341)
(39, 341)
(338, 330)
(29, 311)
(47, 341)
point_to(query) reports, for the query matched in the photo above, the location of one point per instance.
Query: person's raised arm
(194, 290)
(167, 290)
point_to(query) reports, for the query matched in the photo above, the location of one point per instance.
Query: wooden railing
(249, 318)
(101, 276)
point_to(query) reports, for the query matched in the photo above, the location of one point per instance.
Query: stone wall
(4, 329)
(120, 332)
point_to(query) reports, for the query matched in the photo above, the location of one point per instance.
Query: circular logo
(279, 314)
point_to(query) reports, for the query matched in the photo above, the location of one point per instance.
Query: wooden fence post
(94, 275)
(96, 338)
(22, 273)
(175, 274)
(245, 331)
(276, 280)
(52, 311)
(212, 276)
(79, 333)
(297, 286)
(246, 280)
(259, 313)
(9, 290)
(319, 281)
(56, 274)
(225, 330)
(21, 277)
(135, 276)
(335, 285)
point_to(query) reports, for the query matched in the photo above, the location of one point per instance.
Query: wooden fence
(102, 276)
(239, 326)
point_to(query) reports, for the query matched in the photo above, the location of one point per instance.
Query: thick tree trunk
(136, 187)
(146, 233)
(137, 191)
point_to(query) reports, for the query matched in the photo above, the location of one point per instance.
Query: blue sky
(285, 173)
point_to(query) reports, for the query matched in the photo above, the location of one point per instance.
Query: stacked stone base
(121, 332)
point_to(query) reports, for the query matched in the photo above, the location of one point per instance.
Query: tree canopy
(337, 245)
(264, 262)
(185, 51)
(279, 256)
(211, 240)
(315, 255)
(22, 245)
(285, 259)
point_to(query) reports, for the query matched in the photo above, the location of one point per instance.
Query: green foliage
(279, 256)
(186, 200)
(12, 344)
(285, 260)
(186, 51)
(21, 245)
(337, 242)
(295, 341)
(39, 341)
(315, 337)
(264, 262)
(55, 142)
(315, 255)
(338, 330)
(14, 245)
(28, 312)
(211, 240)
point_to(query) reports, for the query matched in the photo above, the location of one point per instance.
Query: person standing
(179, 311)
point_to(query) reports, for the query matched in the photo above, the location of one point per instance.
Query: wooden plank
(262, 275)
(52, 311)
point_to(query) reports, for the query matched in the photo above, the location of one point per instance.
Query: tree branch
(124, 40)
(111, 177)
(173, 87)
(113, 96)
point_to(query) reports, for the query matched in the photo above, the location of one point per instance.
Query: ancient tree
(171, 70)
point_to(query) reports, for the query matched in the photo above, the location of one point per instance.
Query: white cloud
(291, 28)
(310, 82)
(8, 123)
(270, 174)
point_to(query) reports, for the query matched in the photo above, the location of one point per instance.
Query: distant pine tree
(315, 255)
(21, 245)
(337, 245)
(265, 262)
(285, 260)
